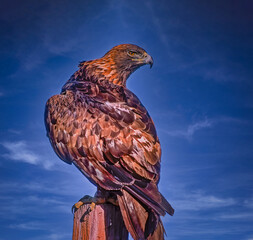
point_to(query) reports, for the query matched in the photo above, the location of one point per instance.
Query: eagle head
(118, 63)
(129, 56)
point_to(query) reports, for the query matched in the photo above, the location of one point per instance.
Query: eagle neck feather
(104, 69)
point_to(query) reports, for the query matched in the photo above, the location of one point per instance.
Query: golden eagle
(101, 127)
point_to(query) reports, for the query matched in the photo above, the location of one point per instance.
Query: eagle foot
(93, 201)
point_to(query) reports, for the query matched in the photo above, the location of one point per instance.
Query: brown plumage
(102, 127)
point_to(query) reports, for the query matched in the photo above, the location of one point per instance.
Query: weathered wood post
(104, 222)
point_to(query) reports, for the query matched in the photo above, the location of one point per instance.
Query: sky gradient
(199, 94)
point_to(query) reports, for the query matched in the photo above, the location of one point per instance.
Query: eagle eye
(133, 54)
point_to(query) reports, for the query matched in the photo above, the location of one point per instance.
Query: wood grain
(104, 222)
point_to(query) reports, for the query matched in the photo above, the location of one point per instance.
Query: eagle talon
(93, 202)
(91, 207)
(82, 201)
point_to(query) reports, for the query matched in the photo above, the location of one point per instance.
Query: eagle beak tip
(149, 60)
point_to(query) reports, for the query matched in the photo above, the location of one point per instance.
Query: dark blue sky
(199, 94)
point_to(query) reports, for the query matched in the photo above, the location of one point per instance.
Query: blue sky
(199, 94)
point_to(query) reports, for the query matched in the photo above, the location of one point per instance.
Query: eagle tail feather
(142, 223)
(148, 196)
(158, 233)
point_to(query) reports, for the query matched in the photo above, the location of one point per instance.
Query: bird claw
(84, 200)
(93, 201)
(91, 207)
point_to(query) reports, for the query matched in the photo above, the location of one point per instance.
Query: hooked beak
(149, 60)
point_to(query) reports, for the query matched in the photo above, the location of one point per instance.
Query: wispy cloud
(208, 65)
(14, 131)
(191, 129)
(37, 204)
(46, 227)
(28, 226)
(38, 198)
(184, 197)
(54, 236)
(60, 205)
(248, 203)
(200, 201)
(50, 40)
(213, 232)
(158, 25)
(237, 216)
(20, 151)
(60, 188)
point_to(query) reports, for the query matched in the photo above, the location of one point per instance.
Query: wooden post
(104, 222)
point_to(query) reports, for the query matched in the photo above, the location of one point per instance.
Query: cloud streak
(237, 216)
(198, 201)
(61, 188)
(248, 203)
(191, 129)
(54, 236)
(20, 151)
(28, 226)
(37, 204)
